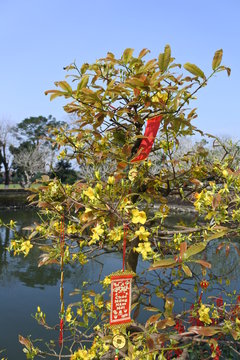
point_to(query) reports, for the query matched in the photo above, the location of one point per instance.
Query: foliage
(63, 171)
(34, 153)
(113, 98)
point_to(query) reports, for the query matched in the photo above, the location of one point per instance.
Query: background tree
(31, 162)
(113, 99)
(63, 171)
(5, 155)
(34, 152)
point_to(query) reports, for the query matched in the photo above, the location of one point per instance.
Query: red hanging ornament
(204, 284)
(148, 140)
(121, 290)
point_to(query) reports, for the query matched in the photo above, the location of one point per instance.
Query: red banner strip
(149, 137)
(121, 291)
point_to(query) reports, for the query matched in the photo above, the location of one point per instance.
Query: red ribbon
(125, 228)
(149, 137)
(62, 259)
(61, 333)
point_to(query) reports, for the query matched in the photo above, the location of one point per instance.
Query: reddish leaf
(24, 341)
(216, 201)
(227, 250)
(220, 246)
(152, 320)
(205, 330)
(150, 343)
(203, 263)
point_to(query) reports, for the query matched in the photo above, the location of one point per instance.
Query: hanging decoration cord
(125, 229)
(62, 282)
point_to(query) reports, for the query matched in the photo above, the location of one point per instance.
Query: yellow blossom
(12, 224)
(138, 216)
(71, 229)
(204, 314)
(68, 316)
(142, 233)
(25, 247)
(97, 232)
(80, 311)
(111, 180)
(107, 281)
(115, 234)
(144, 249)
(62, 154)
(89, 193)
(132, 174)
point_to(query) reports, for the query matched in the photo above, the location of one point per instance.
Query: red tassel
(149, 137)
(61, 333)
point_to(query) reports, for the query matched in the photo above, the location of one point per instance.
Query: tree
(31, 161)
(63, 171)
(113, 99)
(4, 151)
(34, 154)
(35, 129)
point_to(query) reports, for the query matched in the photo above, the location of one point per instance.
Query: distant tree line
(27, 152)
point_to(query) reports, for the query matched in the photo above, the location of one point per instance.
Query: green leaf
(127, 54)
(164, 59)
(83, 83)
(217, 235)
(217, 59)
(84, 68)
(186, 270)
(163, 263)
(64, 85)
(194, 249)
(194, 69)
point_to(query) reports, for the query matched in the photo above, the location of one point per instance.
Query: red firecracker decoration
(204, 284)
(121, 289)
(148, 140)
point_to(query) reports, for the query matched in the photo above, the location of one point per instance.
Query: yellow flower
(225, 173)
(62, 154)
(71, 229)
(111, 180)
(12, 224)
(97, 232)
(80, 355)
(144, 249)
(80, 311)
(115, 234)
(132, 174)
(25, 247)
(142, 233)
(160, 96)
(203, 315)
(138, 217)
(89, 193)
(107, 281)
(215, 314)
(68, 316)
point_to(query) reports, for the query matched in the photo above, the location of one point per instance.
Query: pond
(24, 286)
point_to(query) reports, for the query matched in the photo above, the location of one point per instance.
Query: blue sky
(39, 37)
